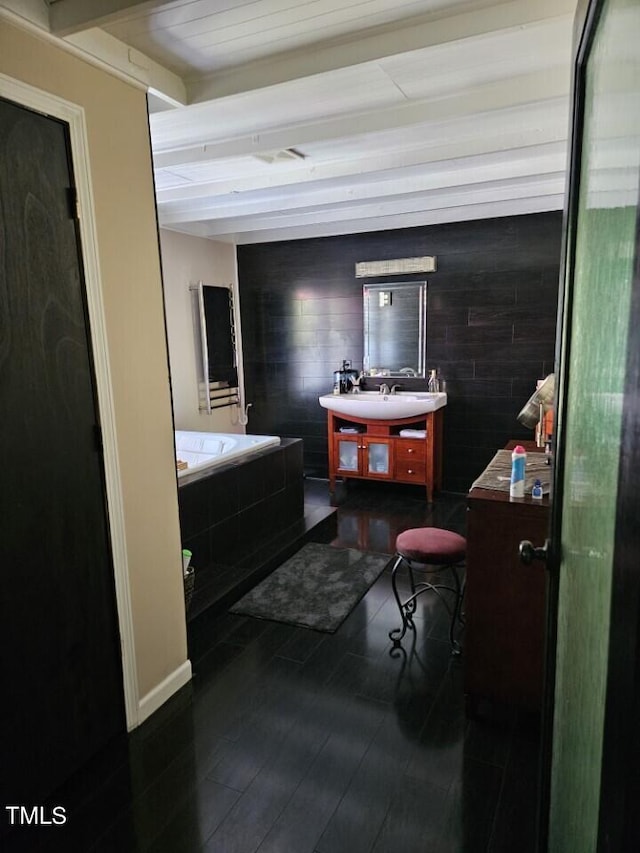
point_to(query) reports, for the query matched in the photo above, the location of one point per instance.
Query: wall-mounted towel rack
(213, 396)
(214, 323)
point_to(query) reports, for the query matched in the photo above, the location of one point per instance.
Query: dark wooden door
(61, 667)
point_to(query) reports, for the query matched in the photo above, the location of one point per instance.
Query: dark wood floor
(293, 741)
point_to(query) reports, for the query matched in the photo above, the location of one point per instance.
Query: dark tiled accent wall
(235, 521)
(490, 328)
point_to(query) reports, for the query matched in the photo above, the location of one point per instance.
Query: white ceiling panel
(284, 119)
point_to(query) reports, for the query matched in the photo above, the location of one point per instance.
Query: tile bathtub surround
(239, 519)
(490, 328)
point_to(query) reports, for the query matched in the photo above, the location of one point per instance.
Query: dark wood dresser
(504, 599)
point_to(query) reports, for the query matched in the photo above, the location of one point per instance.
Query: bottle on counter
(536, 491)
(434, 382)
(518, 466)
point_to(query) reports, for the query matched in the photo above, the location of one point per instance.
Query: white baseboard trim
(163, 691)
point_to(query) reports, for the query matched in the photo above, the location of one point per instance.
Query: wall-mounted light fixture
(398, 266)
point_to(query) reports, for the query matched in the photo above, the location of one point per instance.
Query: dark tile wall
(490, 328)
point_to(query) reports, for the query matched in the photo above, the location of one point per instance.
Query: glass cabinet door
(378, 458)
(348, 454)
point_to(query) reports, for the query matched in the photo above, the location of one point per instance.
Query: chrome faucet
(395, 388)
(384, 388)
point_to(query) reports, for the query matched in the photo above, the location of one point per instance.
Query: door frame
(74, 116)
(583, 31)
(619, 825)
(618, 822)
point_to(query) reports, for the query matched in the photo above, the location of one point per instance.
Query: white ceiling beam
(491, 191)
(375, 43)
(116, 54)
(73, 16)
(168, 133)
(469, 212)
(444, 215)
(395, 207)
(362, 205)
(449, 175)
(549, 141)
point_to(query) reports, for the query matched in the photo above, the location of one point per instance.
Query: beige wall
(130, 272)
(187, 260)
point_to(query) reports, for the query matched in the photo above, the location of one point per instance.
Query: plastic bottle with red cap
(518, 466)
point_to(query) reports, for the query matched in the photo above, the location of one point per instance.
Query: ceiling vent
(283, 156)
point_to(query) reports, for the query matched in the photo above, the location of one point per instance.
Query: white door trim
(73, 115)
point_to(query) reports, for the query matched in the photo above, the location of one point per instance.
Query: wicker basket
(189, 583)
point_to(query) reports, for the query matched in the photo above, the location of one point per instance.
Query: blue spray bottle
(518, 464)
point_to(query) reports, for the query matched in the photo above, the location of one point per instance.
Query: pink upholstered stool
(429, 549)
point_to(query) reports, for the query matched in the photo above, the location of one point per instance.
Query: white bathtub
(204, 451)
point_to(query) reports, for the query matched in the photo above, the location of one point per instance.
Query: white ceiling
(281, 119)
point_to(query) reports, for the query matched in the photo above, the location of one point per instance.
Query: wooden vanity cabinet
(378, 452)
(411, 460)
(363, 456)
(504, 599)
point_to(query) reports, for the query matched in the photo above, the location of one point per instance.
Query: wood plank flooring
(293, 741)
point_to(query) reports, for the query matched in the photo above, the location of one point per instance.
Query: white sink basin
(371, 405)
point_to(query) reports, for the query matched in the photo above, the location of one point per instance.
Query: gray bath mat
(315, 588)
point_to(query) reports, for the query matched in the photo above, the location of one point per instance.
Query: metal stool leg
(398, 633)
(455, 645)
(408, 607)
(410, 603)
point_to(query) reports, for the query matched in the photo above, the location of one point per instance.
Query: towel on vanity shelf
(413, 433)
(349, 430)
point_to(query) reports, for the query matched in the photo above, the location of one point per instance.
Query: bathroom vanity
(366, 428)
(373, 449)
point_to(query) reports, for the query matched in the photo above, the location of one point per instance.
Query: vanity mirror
(395, 323)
